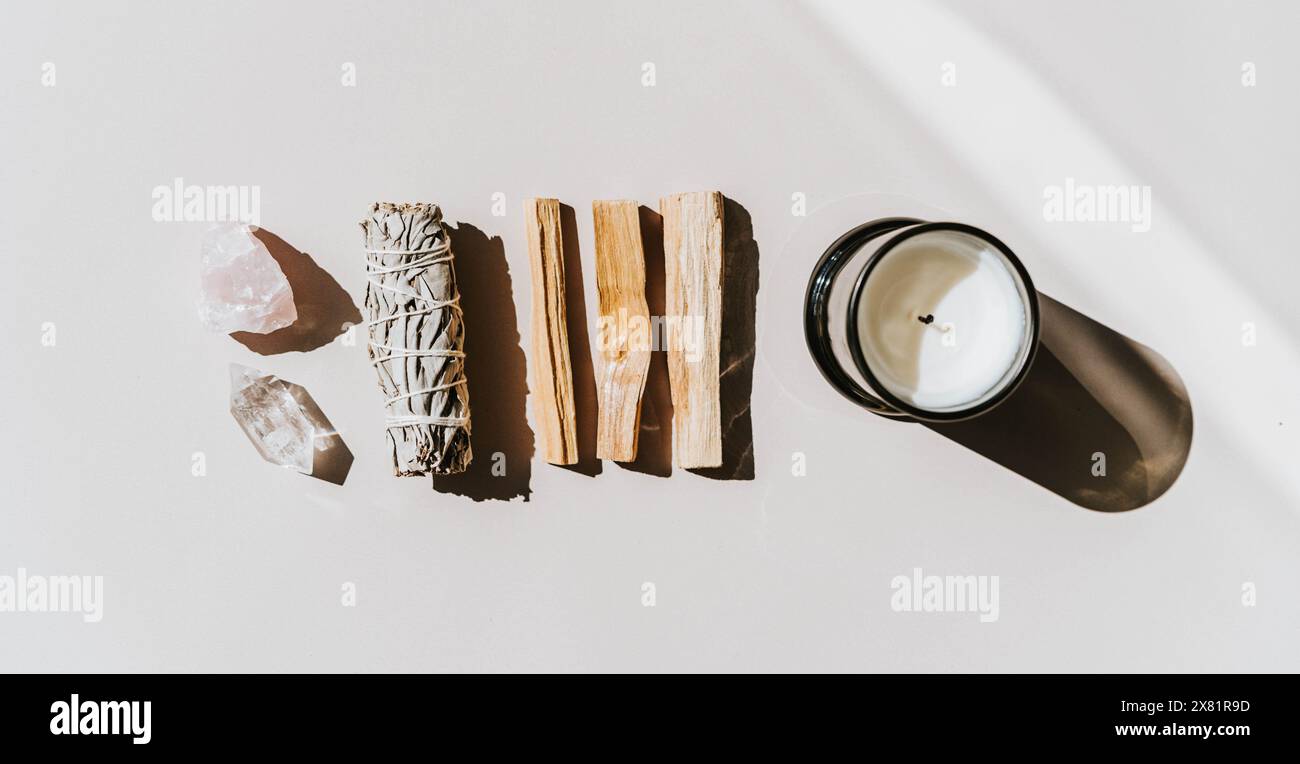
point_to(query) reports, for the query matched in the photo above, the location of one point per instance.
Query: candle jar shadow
(1100, 420)
(331, 459)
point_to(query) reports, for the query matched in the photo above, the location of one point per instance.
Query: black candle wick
(926, 319)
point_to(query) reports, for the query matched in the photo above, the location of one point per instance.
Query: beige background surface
(241, 569)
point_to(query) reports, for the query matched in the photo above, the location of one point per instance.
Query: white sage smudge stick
(417, 338)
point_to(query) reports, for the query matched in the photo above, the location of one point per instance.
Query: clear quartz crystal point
(243, 288)
(272, 418)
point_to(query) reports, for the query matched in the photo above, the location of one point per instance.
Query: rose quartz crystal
(243, 288)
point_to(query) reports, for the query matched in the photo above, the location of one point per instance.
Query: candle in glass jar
(942, 321)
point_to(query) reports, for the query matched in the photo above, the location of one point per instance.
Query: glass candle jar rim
(895, 238)
(819, 337)
(817, 320)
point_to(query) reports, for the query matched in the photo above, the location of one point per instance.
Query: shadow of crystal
(278, 416)
(325, 309)
(332, 460)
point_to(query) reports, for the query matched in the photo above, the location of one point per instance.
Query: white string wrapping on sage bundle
(375, 268)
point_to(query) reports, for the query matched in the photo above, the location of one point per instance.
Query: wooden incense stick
(693, 324)
(552, 373)
(623, 339)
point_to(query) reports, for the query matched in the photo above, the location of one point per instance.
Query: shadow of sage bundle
(417, 338)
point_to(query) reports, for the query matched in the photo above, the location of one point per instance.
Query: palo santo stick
(552, 373)
(693, 324)
(624, 328)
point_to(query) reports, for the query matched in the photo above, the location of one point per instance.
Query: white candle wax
(976, 341)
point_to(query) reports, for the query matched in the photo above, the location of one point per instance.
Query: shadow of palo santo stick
(553, 405)
(693, 324)
(623, 333)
